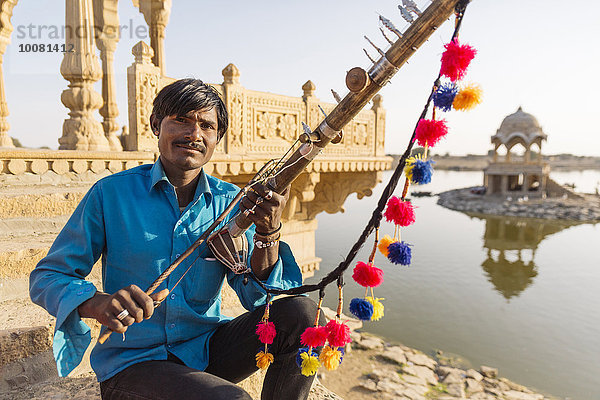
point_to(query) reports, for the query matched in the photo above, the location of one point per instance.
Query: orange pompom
(384, 243)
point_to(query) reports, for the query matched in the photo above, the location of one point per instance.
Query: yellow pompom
(330, 358)
(263, 360)
(310, 364)
(468, 97)
(377, 307)
(384, 243)
(408, 167)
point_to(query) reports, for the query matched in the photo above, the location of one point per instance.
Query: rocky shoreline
(377, 370)
(583, 209)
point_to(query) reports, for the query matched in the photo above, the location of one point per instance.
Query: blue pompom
(422, 171)
(304, 350)
(444, 96)
(361, 309)
(399, 253)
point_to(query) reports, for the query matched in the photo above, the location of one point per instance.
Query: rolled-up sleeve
(58, 282)
(286, 274)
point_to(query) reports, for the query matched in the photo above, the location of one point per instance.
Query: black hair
(186, 95)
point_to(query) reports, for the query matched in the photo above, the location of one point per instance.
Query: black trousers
(233, 348)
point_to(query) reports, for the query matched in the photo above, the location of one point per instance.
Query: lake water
(517, 294)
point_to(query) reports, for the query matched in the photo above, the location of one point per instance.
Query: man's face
(187, 143)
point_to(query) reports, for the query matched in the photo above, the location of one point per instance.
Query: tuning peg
(390, 41)
(411, 6)
(388, 24)
(381, 52)
(336, 96)
(369, 56)
(406, 14)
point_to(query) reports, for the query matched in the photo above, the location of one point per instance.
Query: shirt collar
(157, 174)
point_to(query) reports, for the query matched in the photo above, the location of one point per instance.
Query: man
(139, 221)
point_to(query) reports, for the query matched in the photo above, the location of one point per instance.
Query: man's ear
(154, 125)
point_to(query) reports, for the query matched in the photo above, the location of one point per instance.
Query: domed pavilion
(517, 168)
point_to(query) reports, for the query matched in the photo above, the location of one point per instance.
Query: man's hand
(105, 308)
(264, 207)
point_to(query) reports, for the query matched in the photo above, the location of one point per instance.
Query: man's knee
(297, 311)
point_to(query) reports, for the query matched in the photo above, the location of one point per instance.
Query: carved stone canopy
(519, 126)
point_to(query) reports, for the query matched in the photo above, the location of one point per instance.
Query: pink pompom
(400, 212)
(339, 333)
(367, 275)
(456, 60)
(314, 336)
(430, 131)
(266, 332)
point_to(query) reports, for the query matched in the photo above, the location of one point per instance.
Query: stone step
(40, 200)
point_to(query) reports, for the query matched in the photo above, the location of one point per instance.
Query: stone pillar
(379, 125)
(233, 92)
(504, 184)
(525, 186)
(106, 21)
(156, 13)
(527, 156)
(143, 84)
(82, 69)
(6, 28)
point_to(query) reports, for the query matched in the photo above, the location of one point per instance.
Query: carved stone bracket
(333, 189)
(6, 28)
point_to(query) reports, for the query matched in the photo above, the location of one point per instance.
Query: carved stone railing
(260, 123)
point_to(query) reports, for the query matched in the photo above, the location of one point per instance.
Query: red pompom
(400, 212)
(314, 336)
(456, 60)
(266, 332)
(430, 131)
(339, 333)
(367, 275)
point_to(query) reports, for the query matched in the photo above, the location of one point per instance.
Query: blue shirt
(133, 221)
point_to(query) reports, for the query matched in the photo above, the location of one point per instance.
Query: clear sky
(538, 54)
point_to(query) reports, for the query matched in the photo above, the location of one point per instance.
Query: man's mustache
(194, 144)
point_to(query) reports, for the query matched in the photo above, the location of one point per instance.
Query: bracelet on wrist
(263, 243)
(267, 234)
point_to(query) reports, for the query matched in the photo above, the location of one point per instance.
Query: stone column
(6, 28)
(82, 69)
(233, 93)
(379, 125)
(156, 13)
(106, 21)
(504, 184)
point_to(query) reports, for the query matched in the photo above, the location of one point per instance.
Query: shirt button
(177, 255)
(172, 326)
(169, 345)
(173, 297)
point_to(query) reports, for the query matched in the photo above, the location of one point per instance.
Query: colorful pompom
(430, 131)
(444, 96)
(314, 336)
(263, 360)
(367, 275)
(339, 333)
(330, 357)
(266, 332)
(304, 350)
(418, 171)
(377, 307)
(361, 309)
(400, 253)
(456, 60)
(400, 212)
(468, 97)
(310, 364)
(384, 243)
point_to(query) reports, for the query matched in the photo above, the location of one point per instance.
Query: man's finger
(144, 302)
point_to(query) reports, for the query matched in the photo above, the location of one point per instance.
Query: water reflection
(511, 245)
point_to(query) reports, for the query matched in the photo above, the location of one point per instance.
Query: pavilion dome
(519, 126)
